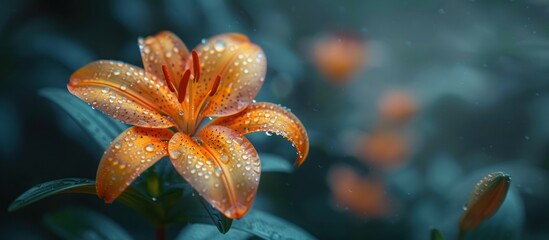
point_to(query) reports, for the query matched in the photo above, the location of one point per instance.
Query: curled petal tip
(271, 118)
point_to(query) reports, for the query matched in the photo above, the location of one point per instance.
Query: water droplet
(464, 207)
(248, 167)
(218, 171)
(219, 45)
(203, 40)
(105, 90)
(147, 49)
(123, 86)
(224, 158)
(116, 72)
(149, 148)
(268, 133)
(175, 154)
(117, 145)
(169, 54)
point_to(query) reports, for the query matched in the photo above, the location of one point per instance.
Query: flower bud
(485, 200)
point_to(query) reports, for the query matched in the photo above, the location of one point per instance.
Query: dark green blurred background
(474, 71)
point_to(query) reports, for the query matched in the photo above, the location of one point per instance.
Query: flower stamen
(196, 65)
(183, 86)
(215, 86)
(168, 78)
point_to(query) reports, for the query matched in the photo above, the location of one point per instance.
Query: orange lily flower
(167, 103)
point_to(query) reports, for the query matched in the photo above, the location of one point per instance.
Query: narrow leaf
(274, 163)
(44, 190)
(99, 126)
(130, 197)
(84, 224)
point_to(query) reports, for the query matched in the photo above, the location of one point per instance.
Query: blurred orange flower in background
(364, 196)
(397, 106)
(338, 57)
(383, 149)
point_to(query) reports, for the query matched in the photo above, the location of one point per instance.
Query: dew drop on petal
(149, 148)
(219, 45)
(218, 171)
(175, 154)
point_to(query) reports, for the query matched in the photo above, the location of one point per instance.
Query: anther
(215, 85)
(168, 78)
(183, 86)
(196, 65)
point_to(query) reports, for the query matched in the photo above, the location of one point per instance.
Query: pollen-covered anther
(168, 78)
(215, 86)
(196, 65)
(183, 86)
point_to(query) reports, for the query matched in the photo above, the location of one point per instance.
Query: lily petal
(264, 116)
(241, 66)
(164, 48)
(221, 164)
(126, 93)
(131, 153)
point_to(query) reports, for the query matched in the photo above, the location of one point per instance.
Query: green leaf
(102, 128)
(130, 196)
(201, 231)
(267, 226)
(44, 190)
(274, 163)
(436, 235)
(77, 223)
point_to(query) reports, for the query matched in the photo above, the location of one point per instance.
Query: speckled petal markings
(126, 93)
(271, 118)
(131, 153)
(241, 66)
(167, 49)
(221, 164)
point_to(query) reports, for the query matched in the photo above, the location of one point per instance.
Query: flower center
(192, 117)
